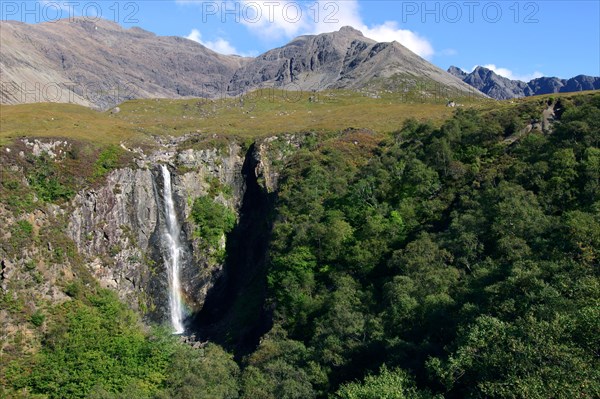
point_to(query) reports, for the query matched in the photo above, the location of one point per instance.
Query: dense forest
(452, 261)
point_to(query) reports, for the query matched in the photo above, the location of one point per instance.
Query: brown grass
(260, 113)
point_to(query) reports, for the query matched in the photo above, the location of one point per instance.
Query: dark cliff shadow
(234, 313)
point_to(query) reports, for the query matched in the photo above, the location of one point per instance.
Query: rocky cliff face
(118, 226)
(111, 231)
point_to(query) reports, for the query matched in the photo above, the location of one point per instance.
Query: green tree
(100, 345)
(281, 368)
(531, 358)
(343, 328)
(210, 373)
(388, 384)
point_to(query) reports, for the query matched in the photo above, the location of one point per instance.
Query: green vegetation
(212, 221)
(46, 181)
(37, 319)
(22, 231)
(216, 188)
(21, 235)
(264, 112)
(386, 384)
(95, 348)
(108, 159)
(27, 180)
(443, 260)
(67, 121)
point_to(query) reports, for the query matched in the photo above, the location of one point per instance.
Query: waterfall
(174, 252)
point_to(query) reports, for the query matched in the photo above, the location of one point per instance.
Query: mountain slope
(100, 64)
(501, 88)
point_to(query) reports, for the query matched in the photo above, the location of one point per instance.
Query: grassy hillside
(259, 113)
(62, 120)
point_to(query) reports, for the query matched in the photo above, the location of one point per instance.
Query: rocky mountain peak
(349, 30)
(456, 71)
(344, 59)
(485, 72)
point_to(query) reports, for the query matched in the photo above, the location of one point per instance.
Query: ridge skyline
(522, 39)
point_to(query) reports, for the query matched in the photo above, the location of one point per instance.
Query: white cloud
(274, 19)
(389, 32)
(287, 19)
(220, 45)
(507, 73)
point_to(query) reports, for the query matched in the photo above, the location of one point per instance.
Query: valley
(326, 256)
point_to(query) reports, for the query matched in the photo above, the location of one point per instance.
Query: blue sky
(519, 39)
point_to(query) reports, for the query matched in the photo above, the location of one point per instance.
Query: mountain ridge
(502, 88)
(120, 64)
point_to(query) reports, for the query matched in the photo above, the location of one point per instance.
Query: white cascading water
(174, 251)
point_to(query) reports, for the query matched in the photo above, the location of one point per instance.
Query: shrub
(212, 220)
(107, 160)
(46, 181)
(37, 319)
